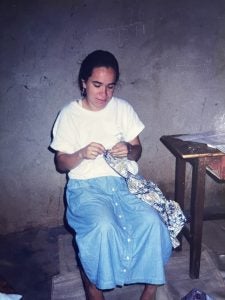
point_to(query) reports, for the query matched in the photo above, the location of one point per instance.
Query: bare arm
(130, 149)
(66, 162)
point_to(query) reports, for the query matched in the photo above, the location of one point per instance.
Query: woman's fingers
(93, 150)
(120, 149)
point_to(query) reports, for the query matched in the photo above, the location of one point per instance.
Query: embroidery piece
(149, 192)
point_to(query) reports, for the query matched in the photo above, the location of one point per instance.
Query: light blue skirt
(121, 239)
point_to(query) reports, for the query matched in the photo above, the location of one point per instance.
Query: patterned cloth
(149, 192)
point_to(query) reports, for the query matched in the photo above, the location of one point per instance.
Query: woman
(121, 240)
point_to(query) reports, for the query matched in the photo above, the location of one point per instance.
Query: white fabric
(76, 127)
(10, 296)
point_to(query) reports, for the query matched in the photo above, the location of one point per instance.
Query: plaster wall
(172, 60)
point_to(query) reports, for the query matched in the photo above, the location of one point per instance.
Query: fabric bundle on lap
(149, 192)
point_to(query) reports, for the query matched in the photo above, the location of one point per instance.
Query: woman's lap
(120, 238)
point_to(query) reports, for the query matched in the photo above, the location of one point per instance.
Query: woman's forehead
(103, 74)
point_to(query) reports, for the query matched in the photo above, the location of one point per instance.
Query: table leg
(197, 207)
(180, 188)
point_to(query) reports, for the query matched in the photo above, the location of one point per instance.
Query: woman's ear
(83, 91)
(83, 84)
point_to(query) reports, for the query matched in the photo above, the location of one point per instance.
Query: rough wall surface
(172, 61)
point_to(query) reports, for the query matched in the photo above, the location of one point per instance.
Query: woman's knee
(151, 217)
(105, 225)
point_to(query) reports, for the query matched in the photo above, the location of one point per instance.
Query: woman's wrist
(80, 154)
(134, 151)
(129, 148)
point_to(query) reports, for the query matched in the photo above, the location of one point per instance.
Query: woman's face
(99, 88)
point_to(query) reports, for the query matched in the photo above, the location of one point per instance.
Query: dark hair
(98, 58)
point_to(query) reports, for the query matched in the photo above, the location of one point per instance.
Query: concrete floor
(30, 260)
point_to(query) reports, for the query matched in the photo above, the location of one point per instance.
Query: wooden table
(199, 156)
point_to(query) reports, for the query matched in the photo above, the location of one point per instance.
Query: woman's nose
(104, 90)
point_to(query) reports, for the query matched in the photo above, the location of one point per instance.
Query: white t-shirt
(76, 127)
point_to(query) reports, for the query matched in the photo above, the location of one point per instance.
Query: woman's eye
(97, 85)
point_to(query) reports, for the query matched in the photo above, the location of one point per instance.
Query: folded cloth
(149, 192)
(10, 296)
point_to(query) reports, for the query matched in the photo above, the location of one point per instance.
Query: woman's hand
(120, 149)
(66, 162)
(131, 150)
(91, 151)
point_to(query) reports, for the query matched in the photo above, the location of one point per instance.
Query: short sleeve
(64, 133)
(131, 124)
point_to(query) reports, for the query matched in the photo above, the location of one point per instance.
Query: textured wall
(172, 62)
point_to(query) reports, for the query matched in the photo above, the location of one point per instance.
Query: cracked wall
(172, 61)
